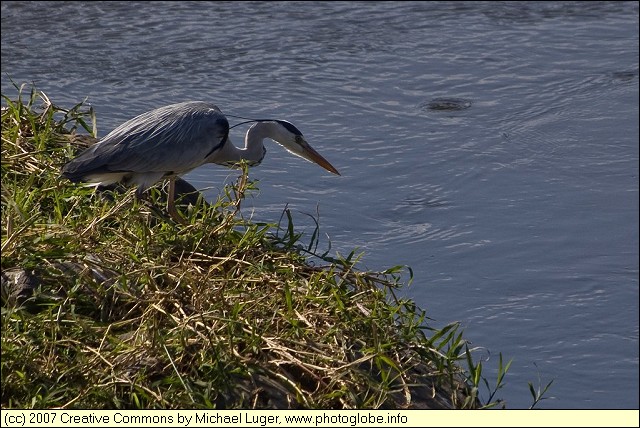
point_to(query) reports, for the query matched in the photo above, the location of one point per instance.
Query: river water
(518, 212)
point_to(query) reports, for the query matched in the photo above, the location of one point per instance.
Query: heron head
(290, 137)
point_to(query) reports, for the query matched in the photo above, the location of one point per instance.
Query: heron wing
(166, 141)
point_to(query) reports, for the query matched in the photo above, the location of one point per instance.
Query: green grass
(127, 309)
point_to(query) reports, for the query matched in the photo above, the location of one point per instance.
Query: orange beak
(310, 154)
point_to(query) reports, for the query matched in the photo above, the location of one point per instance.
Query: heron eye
(299, 139)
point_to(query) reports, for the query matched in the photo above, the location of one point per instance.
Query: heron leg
(171, 203)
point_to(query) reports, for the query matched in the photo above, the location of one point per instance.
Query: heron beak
(310, 154)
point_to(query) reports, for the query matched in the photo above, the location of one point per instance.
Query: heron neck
(253, 141)
(253, 150)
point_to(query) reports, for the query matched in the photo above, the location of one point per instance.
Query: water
(518, 215)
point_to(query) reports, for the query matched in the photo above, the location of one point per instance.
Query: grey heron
(170, 141)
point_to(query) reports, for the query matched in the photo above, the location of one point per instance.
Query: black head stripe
(289, 127)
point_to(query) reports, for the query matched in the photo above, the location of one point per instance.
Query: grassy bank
(108, 303)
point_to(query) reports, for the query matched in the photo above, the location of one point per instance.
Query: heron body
(170, 141)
